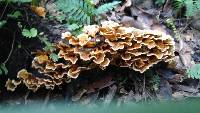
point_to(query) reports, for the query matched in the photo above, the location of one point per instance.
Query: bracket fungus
(99, 46)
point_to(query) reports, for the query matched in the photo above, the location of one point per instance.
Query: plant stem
(12, 46)
(4, 11)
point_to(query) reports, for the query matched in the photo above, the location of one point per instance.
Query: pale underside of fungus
(98, 46)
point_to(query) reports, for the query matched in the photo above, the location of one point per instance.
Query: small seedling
(15, 15)
(2, 23)
(3, 69)
(194, 71)
(54, 57)
(32, 33)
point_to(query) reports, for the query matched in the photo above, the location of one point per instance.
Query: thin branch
(13, 42)
(26, 96)
(144, 87)
(166, 5)
(187, 24)
(4, 11)
(46, 100)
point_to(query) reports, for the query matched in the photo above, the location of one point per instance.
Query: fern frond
(198, 4)
(177, 4)
(74, 26)
(77, 10)
(106, 7)
(190, 8)
(159, 2)
(194, 71)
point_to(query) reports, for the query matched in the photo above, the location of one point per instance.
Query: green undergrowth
(192, 6)
(78, 13)
(194, 71)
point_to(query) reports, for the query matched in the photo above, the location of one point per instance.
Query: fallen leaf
(78, 95)
(128, 21)
(40, 11)
(178, 95)
(92, 87)
(142, 19)
(159, 27)
(114, 16)
(144, 4)
(146, 20)
(127, 3)
(100, 84)
(185, 54)
(186, 88)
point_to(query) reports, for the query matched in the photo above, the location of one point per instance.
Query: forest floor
(115, 84)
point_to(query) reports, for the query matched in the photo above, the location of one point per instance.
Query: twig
(26, 96)
(166, 4)
(188, 24)
(197, 86)
(27, 18)
(4, 11)
(144, 93)
(12, 46)
(46, 100)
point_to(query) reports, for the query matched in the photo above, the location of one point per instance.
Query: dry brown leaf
(128, 3)
(128, 21)
(78, 95)
(99, 84)
(40, 11)
(185, 54)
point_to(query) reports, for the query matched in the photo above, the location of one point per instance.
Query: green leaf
(19, 46)
(189, 7)
(73, 27)
(26, 33)
(48, 45)
(192, 6)
(2, 23)
(198, 4)
(29, 33)
(88, 20)
(60, 18)
(1, 72)
(19, 25)
(54, 57)
(106, 7)
(159, 2)
(49, 48)
(194, 71)
(178, 4)
(4, 69)
(33, 32)
(78, 11)
(15, 15)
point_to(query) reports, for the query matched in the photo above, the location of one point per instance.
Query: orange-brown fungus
(99, 46)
